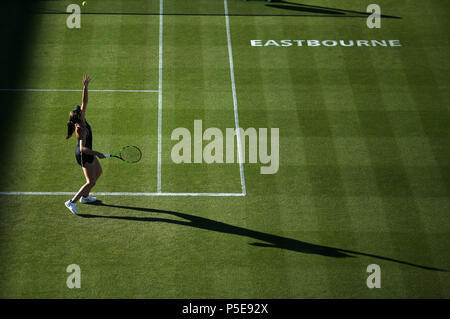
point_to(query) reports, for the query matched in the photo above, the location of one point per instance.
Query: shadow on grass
(268, 240)
(297, 10)
(293, 6)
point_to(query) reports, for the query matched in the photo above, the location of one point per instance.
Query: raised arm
(86, 80)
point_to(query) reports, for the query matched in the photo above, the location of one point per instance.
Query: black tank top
(88, 137)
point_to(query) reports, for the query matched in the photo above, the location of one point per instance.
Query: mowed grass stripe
(253, 105)
(183, 66)
(183, 97)
(288, 84)
(141, 53)
(260, 112)
(437, 58)
(196, 87)
(183, 102)
(391, 176)
(30, 132)
(329, 187)
(366, 222)
(366, 205)
(425, 82)
(298, 77)
(431, 105)
(374, 122)
(17, 252)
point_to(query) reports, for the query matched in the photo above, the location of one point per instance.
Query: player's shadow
(266, 240)
(306, 8)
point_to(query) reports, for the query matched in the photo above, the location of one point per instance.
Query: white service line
(235, 104)
(160, 67)
(120, 194)
(72, 90)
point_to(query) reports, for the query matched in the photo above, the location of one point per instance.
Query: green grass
(364, 172)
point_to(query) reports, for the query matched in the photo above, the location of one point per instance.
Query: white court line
(71, 90)
(121, 194)
(160, 67)
(235, 104)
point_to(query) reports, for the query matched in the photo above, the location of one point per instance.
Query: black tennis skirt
(82, 159)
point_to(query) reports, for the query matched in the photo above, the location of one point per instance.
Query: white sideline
(235, 104)
(121, 194)
(160, 67)
(72, 90)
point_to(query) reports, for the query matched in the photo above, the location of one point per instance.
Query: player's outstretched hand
(86, 80)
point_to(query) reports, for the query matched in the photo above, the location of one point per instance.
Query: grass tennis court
(364, 158)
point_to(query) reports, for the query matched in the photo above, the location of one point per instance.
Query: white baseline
(120, 194)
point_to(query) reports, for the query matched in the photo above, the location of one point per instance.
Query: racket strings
(131, 154)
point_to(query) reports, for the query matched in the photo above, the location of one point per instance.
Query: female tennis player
(84, 154)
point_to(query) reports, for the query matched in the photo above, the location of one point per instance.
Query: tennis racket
(129, 154)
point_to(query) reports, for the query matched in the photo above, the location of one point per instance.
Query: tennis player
(84, 154)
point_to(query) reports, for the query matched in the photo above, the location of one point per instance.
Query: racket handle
(107, 155)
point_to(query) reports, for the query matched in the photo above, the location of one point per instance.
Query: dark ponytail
(74, 118)
(70, 129)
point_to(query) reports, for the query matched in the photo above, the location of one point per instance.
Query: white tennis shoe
(87, 200)
(72, 207)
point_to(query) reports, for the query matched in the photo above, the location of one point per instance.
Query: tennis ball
(84, 3)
